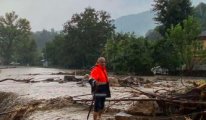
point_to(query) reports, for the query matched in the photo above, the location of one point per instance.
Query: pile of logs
(192, 103)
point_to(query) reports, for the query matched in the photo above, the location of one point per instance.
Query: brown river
(25, 91)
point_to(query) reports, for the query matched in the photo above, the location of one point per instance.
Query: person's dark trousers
(99, 104)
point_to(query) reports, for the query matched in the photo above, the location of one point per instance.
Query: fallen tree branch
(148, 94)
(175, 97)
(151, 99)
(80, 95)
(17, 80)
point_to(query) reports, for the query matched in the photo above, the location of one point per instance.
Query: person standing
(100, 86)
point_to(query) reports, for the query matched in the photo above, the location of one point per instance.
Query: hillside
(142, 22)
(137, 23)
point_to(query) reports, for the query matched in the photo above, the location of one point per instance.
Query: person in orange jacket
(100, 86)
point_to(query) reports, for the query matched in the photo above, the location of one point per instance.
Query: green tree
(31, 56)
(126, 53)
(86, 35)
(165, 55)
(171, 12)
(15, 39)
(54, 51)
(112, 50)
(185, 42)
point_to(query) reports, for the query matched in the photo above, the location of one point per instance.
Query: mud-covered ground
(32, 93)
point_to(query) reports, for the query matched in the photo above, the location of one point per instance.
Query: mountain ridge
(138, 23)
(141, 23)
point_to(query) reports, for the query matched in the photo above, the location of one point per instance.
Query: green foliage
(54, 52)
(91, 34)
(86, 35)
(31, 56)
(82, 41)
(180, 44)
(165, 55)
(171, 12)
(185, 42)
(126, 53)
(15, 42)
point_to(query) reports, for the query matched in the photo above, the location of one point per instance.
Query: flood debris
(27, 80)
(163, 102)
(136, 97)
(63, 73)
(34, 74)
(57, 79)
(131, 80)
(114, 82)
(144, 107)
(71, 78)
(17, 109)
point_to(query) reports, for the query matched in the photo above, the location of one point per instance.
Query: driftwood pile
(172, 104)
(191, 104)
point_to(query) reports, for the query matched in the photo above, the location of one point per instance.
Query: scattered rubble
(13, 107)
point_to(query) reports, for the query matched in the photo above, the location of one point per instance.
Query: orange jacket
(99, 73)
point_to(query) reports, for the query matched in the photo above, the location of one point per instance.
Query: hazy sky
(47, 14)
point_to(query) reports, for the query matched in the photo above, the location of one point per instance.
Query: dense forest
(87, 35)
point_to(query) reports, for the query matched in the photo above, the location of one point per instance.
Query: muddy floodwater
(32, 93)
(37, 89)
